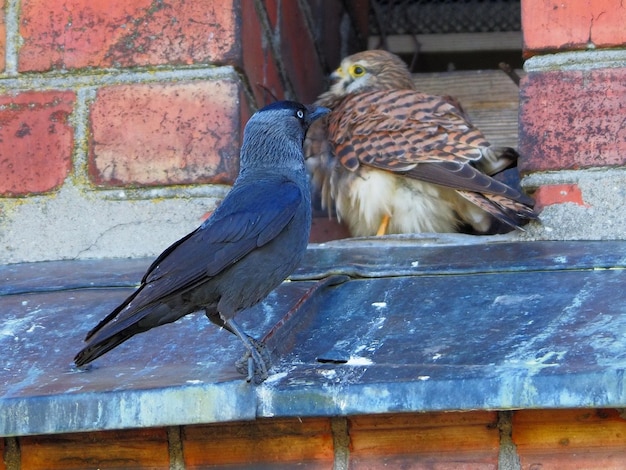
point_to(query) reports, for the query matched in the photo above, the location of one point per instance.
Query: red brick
(71, 34)
(324, 229)
(165, 133)
(272, 7)
(138, 448)
(246, 110)
(2, 36)
(263, 443)
(326, 18)
(558, 194)
(258, 60)
(298, 53)
(570, 439)
(3, 463)
(36, 141)
(573, 119)
(359, 12)
(424, 440)
(550, 25)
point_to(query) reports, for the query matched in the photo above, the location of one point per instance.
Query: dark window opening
(446, 35)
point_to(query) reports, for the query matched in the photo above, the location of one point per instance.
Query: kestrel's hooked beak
(338, 79)
(337, 75)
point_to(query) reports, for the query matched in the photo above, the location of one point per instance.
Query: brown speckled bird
(390, 159)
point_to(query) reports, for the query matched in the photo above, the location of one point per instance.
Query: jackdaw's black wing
(251, 215)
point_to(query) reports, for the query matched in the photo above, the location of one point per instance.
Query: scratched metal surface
(422, 324)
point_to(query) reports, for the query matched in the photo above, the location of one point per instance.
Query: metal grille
(443, 16)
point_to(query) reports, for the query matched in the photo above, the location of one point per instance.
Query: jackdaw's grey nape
(249, 245)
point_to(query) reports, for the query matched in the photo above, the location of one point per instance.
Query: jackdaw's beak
(316, 112)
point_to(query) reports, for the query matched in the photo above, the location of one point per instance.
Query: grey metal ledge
(411, 324)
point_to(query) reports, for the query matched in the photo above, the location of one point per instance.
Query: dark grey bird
(249, 245)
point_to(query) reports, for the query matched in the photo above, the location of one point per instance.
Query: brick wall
(573, 116)
(120, 122)
(524, 439)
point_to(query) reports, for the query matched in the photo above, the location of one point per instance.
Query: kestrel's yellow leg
(384, 224)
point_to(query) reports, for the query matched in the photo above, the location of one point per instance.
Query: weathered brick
(139, 448)
(326, 18)
(550, 25)
(324, 229)
(3, 450)
(557, 194)
(165, 133)
(302, 38)
(570, 439)
(36, 141)
(298, 53)
(80, 33)
(573, 119)
(332, 38)
(2, 36)
(263, 443)
(272, 9)
(424, 440)
(258, 60)
(359, 12)
(246, 110)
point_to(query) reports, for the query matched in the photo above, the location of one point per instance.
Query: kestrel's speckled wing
(422, 136)
(401, 128)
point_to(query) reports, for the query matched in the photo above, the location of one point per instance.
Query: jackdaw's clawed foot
(255, 363)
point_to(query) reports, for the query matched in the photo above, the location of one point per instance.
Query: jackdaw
(246, 248)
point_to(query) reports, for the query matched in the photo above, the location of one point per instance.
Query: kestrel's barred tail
(506, 210)
(410, 160)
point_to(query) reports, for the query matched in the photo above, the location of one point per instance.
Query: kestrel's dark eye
(300, 114)
(357, 70)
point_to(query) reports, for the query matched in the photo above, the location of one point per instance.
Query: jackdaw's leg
(257, 359)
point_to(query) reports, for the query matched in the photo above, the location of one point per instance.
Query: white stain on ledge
(34, 327)
(328, 374)
(514, 299)
(359, 361)
(13, 326)
(549, 359)
(276, 377)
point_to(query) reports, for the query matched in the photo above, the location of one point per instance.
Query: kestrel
(390, 159)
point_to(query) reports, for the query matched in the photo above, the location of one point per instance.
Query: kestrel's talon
(384, 224)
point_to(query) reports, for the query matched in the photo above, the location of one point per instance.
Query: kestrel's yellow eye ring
(357, 70)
